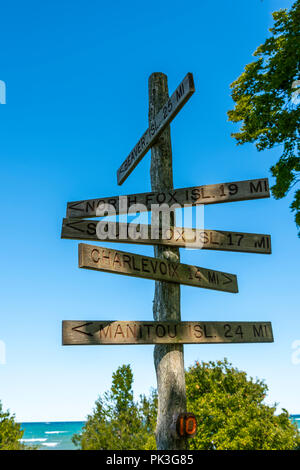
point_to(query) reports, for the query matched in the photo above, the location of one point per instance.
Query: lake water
(51, 435)
(58, 435)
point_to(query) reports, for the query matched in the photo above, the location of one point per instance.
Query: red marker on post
(186, 425)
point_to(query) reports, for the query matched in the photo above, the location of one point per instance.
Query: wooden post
(168, 359)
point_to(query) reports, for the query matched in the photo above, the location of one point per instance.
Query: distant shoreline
(49, 421)
(57, 435)
(294, 416)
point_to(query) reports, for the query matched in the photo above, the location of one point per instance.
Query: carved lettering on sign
(173, 236)
(209, 194)
(163, 118)
(151, 332)
(120, 262)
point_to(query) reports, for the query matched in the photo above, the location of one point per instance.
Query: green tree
(10, 432)
(229, 408)
(117, 421)
(266, 103)
(231, 414)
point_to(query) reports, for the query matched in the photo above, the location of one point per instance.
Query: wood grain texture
(175, 236)
(168, 358)
(116, 332)
(158, 123)
(160, 269)
(206, 194)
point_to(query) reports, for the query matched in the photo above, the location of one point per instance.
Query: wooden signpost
(166, 114)
(129, 264)
(185, 197)
(167, 332)
(181, 237)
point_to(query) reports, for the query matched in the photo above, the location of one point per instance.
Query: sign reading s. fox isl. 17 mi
(181, 237)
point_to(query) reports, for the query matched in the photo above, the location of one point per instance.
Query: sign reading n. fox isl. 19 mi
(174, 104)
(207, 194)
(151, 332)
(129, 264)
(174, 236)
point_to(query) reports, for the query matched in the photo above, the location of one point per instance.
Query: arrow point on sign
(75, 328)
(73, 224)
(74, 204)
(229, 281)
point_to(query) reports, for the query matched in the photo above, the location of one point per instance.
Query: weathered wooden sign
(162, 119)
(129, 264)
(208, 194)
(104, 231)
(152, 332)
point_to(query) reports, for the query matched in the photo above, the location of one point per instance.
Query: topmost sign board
(167, 113)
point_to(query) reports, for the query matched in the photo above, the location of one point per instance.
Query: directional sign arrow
(76, 328)
(154, 332)
(228, 279)
(184, 197)
(129, 264)
(170, 109)
(75, 225)
(141, 234)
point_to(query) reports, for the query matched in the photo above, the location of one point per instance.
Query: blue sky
(77, 102)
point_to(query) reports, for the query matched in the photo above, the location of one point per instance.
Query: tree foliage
(229, 409)
(266, 103)
(118, 422)
(231, 414)
(10, 432)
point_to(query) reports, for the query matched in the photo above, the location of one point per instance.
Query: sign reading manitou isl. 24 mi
(154, 332)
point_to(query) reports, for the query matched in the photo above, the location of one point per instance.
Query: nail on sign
(129, 264)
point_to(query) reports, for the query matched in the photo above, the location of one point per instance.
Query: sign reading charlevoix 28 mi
(151, 332)
(167, 113)
(103, 231)
(207, 194)
(129, 264)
